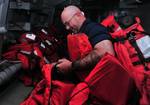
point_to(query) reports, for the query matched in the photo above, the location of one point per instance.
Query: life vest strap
(147, 60)
(131, 38)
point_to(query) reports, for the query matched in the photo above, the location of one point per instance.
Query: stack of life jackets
(107, 84)
(47, 43)
(132, 47)
(33, 50)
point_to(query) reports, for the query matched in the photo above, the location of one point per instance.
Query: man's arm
(89, 61)
(94, 56)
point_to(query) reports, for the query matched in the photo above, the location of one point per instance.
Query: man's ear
(82, 13)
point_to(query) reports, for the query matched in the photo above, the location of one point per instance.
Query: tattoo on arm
(88, 62)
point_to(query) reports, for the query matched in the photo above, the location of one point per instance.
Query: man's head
(72, 17)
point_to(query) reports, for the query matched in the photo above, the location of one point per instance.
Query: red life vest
(27, 38)
(78, 47)
(26, 53)
(130, 54)
(103, 82)
(47, 43)
(29, 55)
(48, 91)
(34, 50)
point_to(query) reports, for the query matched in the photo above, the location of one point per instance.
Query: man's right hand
(64, 65)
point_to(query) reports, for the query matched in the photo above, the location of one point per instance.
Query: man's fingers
(54, 63)
(61, 60)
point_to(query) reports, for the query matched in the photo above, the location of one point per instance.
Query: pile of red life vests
(34, 51)
(132, 47)
(107, 84)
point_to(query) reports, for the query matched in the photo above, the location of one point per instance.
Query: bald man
(73, 19)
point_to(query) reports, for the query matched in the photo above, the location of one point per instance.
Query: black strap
(147, 60)
(132, 41)
(120, 39)
(131, 38)
(142, 32)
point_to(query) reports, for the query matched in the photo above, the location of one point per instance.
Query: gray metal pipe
(7, 73)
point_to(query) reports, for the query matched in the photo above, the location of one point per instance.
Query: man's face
(70, 22)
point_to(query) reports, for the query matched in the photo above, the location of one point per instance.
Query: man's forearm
(88, 62)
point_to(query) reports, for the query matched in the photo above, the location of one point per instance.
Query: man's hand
(64, 65)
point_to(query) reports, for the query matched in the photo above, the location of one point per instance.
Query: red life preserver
(24, 52)
(127, 48)
(29, 55)
(79, 47)
(103, 82)
(48, 91)
(48, 44)
(27, 38)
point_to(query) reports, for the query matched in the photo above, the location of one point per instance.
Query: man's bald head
(72, 17)
(68, 12)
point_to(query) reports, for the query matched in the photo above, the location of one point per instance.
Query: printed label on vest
(35, 52)
(25, 52)
(144, 45)
(48, 42)
(31, 36)
(46, 60)
(42, 45)
(44, 31)
(118, 29)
